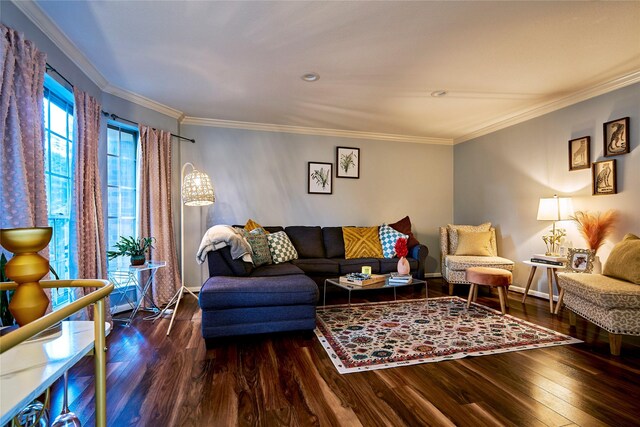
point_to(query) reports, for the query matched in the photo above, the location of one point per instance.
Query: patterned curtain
(156, 215)
(88, 247)
(22, 182)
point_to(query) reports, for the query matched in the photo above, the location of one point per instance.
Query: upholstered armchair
(454, 262)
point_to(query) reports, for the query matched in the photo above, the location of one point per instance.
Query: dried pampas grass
(595, 227)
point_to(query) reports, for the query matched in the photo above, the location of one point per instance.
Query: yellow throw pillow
(252, 225)
(624, 261)
(476, 243)
(361, 242)
(453, 233)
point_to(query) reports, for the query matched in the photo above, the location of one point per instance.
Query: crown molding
(143, 101)
(51, 30)
(549, 106)
(302, 130)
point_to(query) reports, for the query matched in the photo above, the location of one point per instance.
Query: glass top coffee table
(381, 285)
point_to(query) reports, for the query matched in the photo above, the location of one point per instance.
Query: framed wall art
(580, 260)
(604, 177)
(320, 178)
(616, 137)
(580, 153)
(347, 162)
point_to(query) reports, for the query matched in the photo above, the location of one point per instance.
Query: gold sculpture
(26, 268)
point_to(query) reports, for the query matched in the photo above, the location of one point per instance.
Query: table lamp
(197, 190)
(554, 209)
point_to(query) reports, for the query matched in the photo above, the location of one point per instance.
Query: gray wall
(262, 175)
(500, 177)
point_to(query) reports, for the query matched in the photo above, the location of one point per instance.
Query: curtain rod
(50, 68)
(116, 117)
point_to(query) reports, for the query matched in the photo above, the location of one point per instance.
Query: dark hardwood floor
(288, 379)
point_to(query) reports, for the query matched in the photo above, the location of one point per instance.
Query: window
(122, 150)
(58, 146)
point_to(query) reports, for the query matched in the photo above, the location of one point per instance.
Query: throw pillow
(361, 242)
(476, 243)
(257, 239)
(252, 225)
(453, 233)
(281, 248)
(388, 239)
(624, 260)
(404, 226)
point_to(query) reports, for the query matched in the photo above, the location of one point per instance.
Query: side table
(130, 277)
(551, 274)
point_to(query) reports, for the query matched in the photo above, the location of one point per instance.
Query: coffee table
(382, 285)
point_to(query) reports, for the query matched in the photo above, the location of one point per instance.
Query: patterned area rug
(384, 335)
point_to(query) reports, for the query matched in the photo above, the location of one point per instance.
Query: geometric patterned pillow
(281, 248)
(453, 233)
(388, 239)
(257, 239)
(361, 242)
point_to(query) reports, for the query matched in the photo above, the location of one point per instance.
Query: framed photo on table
(347, 162)
(603, 175)
(580, 153)
(580, 260)
(616, 137)
(320, 178)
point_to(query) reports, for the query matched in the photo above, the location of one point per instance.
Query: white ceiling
(378, 61)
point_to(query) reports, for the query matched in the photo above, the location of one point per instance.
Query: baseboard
(538, 294)
(193, 289)
(432, 275)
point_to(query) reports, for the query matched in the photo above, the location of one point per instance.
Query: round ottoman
(487, 276)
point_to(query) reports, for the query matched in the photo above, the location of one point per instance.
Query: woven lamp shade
(197, 189)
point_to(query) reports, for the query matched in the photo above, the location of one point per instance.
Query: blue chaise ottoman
(255, 305)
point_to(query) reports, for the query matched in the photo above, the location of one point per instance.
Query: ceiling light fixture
(310, 77)
(438, 93)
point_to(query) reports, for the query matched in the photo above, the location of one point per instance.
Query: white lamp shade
(197, 189)
(555, 208)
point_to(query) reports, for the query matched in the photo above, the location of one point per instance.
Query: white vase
(597, 265)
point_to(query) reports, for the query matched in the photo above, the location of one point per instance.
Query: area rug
(368, 336)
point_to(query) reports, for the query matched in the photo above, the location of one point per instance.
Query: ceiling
(379, 62)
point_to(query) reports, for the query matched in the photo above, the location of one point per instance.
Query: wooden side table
(551, 274)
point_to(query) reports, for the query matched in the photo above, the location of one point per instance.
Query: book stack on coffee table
(400, 279)
(553, 260)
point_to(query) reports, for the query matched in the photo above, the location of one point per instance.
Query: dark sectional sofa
(239, 299)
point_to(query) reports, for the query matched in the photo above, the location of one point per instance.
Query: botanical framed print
(616, 137)
(347, 162)
(580, 260)
(320, 177)
(604, 177)
(580, 153)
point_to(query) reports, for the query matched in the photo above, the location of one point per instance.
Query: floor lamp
(196, 190)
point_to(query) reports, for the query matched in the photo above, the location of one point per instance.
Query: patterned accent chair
(454, 267)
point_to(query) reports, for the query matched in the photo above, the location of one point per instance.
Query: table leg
(526, 290)
(324, 294)
(560, 292)
(394, 294)
(550, 283)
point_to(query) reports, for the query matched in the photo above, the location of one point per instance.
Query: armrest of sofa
(419, 252)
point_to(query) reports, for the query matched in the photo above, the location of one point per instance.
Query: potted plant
(136, 248)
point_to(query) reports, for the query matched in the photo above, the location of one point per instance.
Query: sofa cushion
(333, 242)
(624, 261)
(601, 290)
(257, 239)
(221, 263)
(307, 241)
(388, 238)
(284, 269)
(281, 248)
(361, 242)
(461, 263)
(252, 225)
(476, 243)
(453, 233)
(404, 226)
(324, 266)
(355, 265)
(389, 265)
(223, 292)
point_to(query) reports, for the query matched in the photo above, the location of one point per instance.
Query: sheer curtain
(156, 215)
(88, 244)
(22, 181)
